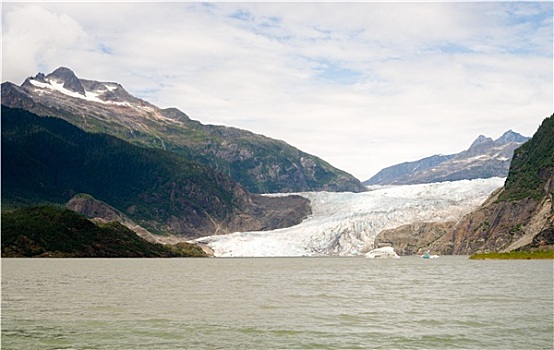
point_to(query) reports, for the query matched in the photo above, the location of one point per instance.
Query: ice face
(382, 253)
(347, 223)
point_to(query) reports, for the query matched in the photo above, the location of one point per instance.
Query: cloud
(361, 85)
(33, 36)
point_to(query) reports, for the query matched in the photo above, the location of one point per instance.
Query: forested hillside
(532, 166)
(47, 160)
(259, 163)
(48, 231)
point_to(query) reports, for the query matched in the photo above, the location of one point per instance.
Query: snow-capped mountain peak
(511, 136)
(102, 100)
(485, 158)
(64, 81)
(480, 140)
(67, 79)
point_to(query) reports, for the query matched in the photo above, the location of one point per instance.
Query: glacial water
(277, 303)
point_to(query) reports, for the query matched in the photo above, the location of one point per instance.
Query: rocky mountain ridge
(259, 163)
(485, 158)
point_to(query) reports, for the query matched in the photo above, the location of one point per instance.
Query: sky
(362, 85)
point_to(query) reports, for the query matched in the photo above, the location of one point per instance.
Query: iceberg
(346, 224)
(384, 252)
(428, 255)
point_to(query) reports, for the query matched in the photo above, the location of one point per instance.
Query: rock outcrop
(100, 212)
(501, 227)
(414, 239)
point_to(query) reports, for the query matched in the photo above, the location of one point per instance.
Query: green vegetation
(484, 226)
(258, 163)
(186, 249)
(516, 228)
(514, 255)
(47, 160)
(532, 165)
(48, 231)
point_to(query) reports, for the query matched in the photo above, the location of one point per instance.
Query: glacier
(346, 224)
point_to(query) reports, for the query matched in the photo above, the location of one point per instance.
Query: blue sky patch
(334, 72)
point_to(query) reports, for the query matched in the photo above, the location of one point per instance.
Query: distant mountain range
(259, 163)
(485, 158)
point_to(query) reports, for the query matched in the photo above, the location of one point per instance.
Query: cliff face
(499, 227)
(414, 239)
(526, 224)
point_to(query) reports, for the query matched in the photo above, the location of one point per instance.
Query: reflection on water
(294, 303)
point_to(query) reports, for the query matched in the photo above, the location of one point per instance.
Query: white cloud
(34, 37)
(361, 85)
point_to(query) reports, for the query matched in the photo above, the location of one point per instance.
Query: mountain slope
(393, 173)
(45, 231)
(49, 160)
(101, 212)
(521, 216)
(485, 158)
(257, 162)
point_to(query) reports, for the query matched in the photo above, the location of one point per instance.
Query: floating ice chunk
(384, 252)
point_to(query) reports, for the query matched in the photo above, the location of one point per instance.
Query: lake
(277, 303)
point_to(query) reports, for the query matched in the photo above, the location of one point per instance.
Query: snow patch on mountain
(346, 224)
(46, 85)
(91, 96)
(111, 87)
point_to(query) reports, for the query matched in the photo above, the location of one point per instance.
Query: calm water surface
(271, 303)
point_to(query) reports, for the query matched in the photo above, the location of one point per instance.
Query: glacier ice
(382, 253)
(346, 224)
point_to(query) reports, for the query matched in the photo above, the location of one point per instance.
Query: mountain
(485, 158)
(44, 231)
(389, 175)
(519, 216)
(48, 160)
(259, 163)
